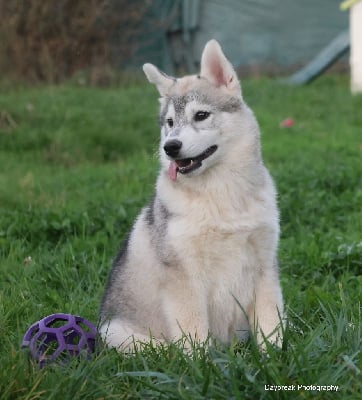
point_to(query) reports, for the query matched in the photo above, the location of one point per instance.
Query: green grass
(77, 164)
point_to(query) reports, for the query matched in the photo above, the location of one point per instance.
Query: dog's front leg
(185, 308)
(266, 315)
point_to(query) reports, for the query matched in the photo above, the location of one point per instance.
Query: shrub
(51, 40)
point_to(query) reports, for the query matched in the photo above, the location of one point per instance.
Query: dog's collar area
(186, 165)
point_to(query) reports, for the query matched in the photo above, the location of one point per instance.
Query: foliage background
(52, 40)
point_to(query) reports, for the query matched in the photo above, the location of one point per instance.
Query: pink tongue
(172, 170)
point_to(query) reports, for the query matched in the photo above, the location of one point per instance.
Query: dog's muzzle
(187, 165)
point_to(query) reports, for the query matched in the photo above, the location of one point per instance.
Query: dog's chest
(207, 237)
(221, 261)
(209, 245)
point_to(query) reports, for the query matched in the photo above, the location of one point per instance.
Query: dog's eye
(169, 122)
(201, 116)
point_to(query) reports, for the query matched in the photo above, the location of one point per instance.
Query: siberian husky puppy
(201, 258)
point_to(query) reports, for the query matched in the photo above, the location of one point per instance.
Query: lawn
(78, 163)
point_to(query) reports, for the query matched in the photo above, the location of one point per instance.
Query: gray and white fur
(201, 258)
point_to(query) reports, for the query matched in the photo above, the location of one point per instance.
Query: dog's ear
(162, 81)
(216, 68)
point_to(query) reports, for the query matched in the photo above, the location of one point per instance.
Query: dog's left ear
(217, 69)
(162, 81)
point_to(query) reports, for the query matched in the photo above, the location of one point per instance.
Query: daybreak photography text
(292, 388)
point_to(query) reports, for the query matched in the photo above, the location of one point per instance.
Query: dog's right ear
(162, 81)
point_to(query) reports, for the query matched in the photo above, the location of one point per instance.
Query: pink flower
(287, 123)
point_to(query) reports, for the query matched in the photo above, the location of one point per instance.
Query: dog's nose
(172, 147)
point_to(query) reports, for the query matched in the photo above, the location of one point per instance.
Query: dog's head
(200, 114)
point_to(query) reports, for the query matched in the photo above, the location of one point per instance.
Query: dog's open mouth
(187, 165)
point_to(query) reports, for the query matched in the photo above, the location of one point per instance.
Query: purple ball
(59, 337)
